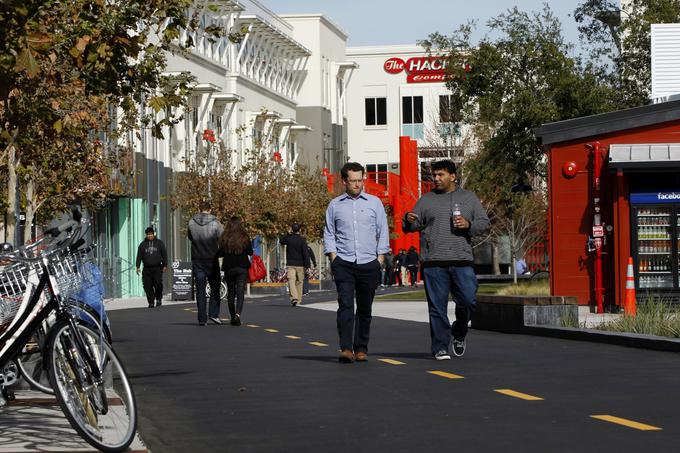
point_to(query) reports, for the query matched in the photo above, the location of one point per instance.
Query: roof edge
(605, 123)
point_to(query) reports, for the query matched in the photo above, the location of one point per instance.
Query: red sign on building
(418, 69)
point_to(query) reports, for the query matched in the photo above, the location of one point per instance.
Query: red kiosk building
(614, 193)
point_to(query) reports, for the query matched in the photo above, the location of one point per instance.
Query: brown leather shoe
(346, 356)
(361, 357)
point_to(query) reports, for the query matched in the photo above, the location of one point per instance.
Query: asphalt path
(274, 385)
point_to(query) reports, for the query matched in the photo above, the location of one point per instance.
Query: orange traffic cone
(629, 305)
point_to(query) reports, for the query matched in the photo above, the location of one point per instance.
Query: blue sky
(376, 22)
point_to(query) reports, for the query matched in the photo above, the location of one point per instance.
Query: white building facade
(398, 90)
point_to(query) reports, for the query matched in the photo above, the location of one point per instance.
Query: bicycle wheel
(31, 365)
(540, 275)
(103, 411)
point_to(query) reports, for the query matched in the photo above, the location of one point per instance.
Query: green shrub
(535, 288)
(655, 316)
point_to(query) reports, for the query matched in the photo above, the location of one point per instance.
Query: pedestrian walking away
(204, 233)
(356, 238)
(412, 262)
(236, 249)
(402, 267)
(388, 264)
(447, 219)
(297, 260)
(151, 252)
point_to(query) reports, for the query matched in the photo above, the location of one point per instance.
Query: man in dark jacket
(297, 259)
(204, 232)
(152, 253)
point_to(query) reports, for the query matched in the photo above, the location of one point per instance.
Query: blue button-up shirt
(356, 228)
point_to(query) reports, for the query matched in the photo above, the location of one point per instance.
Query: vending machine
(656, 240)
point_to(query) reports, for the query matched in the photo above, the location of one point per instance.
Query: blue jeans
(207, 273)
(461, 283)
(360, 280)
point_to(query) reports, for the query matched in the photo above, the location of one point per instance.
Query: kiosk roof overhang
(606, 123)
(644, 156)
(258, 24)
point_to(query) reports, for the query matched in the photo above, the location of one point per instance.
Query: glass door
(655, 247)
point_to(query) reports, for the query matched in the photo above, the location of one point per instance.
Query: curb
(630, 340)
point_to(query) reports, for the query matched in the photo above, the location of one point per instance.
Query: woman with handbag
(235, 248)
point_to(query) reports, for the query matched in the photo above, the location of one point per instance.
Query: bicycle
(539, 274)
(88, 379)
(278, 275)
(223, 288)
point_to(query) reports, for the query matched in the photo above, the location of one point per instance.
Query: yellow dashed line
(293, 337)
(317, 343)
(519, 395)
(625, 422)
(271, 330)
(445, 374)
(188, 309)
(391, 361)
(252, 325)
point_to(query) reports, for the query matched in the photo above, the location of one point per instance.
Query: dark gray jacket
(439, 242)
(204, 232)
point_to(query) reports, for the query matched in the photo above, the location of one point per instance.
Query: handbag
(257, 271)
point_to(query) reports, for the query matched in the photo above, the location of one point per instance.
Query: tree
(623, 38)
(517, 78)
(266, 195)
(77, 76)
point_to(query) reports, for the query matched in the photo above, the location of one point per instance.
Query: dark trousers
(236, 289)
(360, 281)
(413, 274)
(152, 280)
(207, 273)
(461, 283)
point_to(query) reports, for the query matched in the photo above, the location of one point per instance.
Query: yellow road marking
(271, 330)
(188, 309)
(625, 422)
(293, 337)
(252, 325)
(446, 375)
(392, 361)
(522, 396)
(317, 343)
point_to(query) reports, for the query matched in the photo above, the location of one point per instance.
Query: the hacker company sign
(418, 69)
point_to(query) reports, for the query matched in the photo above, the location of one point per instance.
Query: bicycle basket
(12, 287)
(71, 273)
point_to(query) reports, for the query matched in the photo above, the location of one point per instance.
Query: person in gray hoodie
(204, 233)
(447, 219)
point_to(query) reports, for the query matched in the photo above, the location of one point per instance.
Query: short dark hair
(351, 166)
(149, 230)
(295, 227)
(445, 164)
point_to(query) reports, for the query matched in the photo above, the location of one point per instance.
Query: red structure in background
(399, 195)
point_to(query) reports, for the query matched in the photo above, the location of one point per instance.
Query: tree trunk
(10, 221)
(495, 258)
(31, 208)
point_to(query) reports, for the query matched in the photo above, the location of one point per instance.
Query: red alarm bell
(569, 169)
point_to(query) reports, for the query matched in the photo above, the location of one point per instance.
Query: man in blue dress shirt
(356, 239)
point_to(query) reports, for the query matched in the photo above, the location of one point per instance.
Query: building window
(447, 112)
(376, 111)
(377, 173)
(412, 114)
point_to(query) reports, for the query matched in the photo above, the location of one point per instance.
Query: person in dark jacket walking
(204, 232)
(152, 253)
(297, 259)
(236, 248)
(312, 261)
(412, 261)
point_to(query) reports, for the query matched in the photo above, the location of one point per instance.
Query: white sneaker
(442, 355)
(458, 347)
